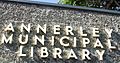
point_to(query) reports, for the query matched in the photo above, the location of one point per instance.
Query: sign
(35, 33)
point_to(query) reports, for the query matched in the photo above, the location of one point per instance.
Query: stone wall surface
(17, 13)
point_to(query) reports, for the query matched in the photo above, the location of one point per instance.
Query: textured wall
(17, 13)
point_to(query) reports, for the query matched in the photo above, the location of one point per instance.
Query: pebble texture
(17, 13)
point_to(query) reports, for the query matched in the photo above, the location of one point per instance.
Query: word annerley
(57, 51)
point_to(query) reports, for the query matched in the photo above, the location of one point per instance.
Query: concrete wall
(17, 13)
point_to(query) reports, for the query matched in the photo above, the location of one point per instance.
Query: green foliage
(67, 2)
(108, 4)
(89, 3)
